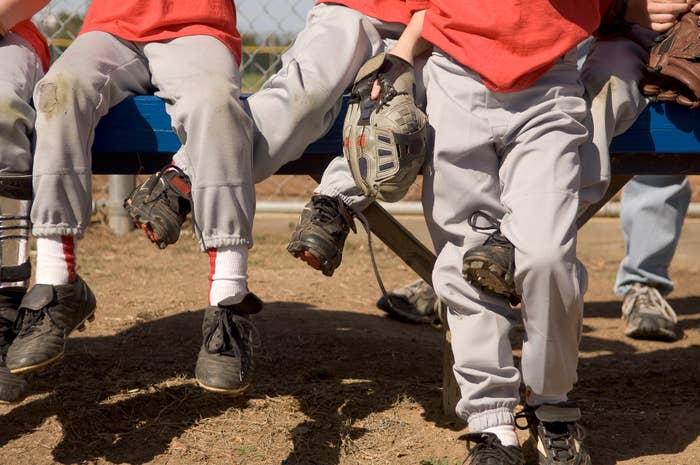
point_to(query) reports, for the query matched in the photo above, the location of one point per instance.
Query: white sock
(228, 272)
(55, 260)
(506, 433)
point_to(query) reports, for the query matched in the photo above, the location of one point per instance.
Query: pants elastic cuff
(490, 418)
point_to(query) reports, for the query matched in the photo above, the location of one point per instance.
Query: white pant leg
(299, 104)
(21, 69)
(198, 78)
(95, 73)
(540, 178)
(462, 177)
(489, 150)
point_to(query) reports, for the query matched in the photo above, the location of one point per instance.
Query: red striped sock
(228, 272)
(55, 260)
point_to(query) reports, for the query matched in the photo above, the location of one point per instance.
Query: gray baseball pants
(198, 79)
(514, 156)
(299, 104)
(21, 69)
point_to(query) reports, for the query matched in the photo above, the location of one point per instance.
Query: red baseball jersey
(511, 44)
(31, 33)
(390, 11)
(158, 20)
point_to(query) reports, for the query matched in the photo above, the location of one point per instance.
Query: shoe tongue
(554, 413)
(38, 297)
(242, 304)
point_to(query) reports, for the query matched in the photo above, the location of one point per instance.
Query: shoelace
(29, 320)
(489, 446)
(326, 209)
(647, 298)
(559, 440)
(231, 330)
(496, 237)
(558, 436)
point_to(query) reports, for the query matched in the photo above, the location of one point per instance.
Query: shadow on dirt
(340, 367)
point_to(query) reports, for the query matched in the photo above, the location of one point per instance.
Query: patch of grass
(245, 451)
(434, 461)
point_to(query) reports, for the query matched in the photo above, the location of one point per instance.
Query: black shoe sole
(226, 391)
(489, 277)
(309, 253)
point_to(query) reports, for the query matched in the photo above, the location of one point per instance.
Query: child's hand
(657, 15)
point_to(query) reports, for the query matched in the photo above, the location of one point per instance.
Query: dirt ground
(336, 381)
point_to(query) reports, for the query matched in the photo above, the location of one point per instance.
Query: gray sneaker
(319, 237)
(225, 361)
(13, 388)
(413, 303)
(648, 315)
(47, 316)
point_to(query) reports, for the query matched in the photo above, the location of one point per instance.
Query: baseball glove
(673, 72)
(385, 140)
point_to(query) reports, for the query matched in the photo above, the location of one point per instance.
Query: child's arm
(657, 15)
(14, 11)
(409, 45)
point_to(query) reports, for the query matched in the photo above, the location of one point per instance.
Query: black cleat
(488, 450)
(160, 205)
(13, 388)
(490, 266)
(47, 316)
(319, 237)
(225, 361)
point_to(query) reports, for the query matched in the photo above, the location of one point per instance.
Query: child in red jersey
(506, 103)
(188, 54)
(25, 57)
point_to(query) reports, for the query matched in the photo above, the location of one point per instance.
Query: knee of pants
(544, 260)
(60, 89)
(218, 98)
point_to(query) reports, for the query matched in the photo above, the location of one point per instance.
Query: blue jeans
(653, 210)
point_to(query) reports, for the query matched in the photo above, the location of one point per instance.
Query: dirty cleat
(160, 205)
(13, 388)
(225, 361)
(319, 237)
(490, 266)
(648, 315)
(556, 431)
(47, 316)
(414, 303)
(488, 450)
